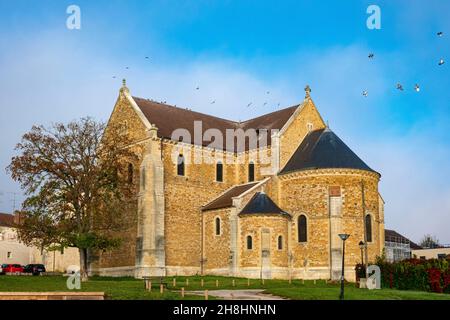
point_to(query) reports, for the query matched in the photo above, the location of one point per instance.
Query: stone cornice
(328, 172)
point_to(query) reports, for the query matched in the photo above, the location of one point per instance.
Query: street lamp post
(361, 246)
(343, 237)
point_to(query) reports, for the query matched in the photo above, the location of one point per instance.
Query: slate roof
(6, 220)
(394, 236)
(167, 118)
(261, 203)
(226, 199)
(323, 149)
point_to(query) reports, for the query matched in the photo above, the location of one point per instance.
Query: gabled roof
(6, 220)
(169, 118)
(262, 204)
(323, 149)
(226, 199)
(394, 236)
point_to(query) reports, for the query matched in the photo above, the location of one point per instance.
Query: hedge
(414, 274)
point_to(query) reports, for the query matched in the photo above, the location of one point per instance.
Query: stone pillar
(150, 243)
(234, 234)
(335, 207)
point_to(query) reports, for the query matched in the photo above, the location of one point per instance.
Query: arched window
(219, 172)
(280, 242)
(249, 243)
(130, 173)
(217, 226)
(180, 165)
(251, 172)
(143, 178)
(368, 228)
(302, 229)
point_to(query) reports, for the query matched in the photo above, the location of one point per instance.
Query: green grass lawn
(129, 288)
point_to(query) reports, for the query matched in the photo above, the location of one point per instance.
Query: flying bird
(441, 62)
(371, 55)
(268, 92)
(198, 88)
(417, 87)
(265, 104)
(365, 93)
(249, 104)
(127, 68)
(440, 34)
(399, 87)
(114, 77)
(147, 58)
(213, 102)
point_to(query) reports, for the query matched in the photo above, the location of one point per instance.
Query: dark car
(12, 268)
(35, 269)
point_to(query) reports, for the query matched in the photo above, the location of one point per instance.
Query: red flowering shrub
(434, 277)
(416, 274)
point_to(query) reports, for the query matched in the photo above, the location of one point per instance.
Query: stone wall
(296, 131)
(217, 247)
(308, 193)
(184, 197)
(254, 263)
(128, 122)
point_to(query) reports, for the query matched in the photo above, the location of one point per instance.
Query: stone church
(221, 210)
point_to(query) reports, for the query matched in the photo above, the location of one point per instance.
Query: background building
(12, 251)
(435, 253)
(398, 247)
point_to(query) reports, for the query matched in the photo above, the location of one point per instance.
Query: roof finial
(124, 86)
(308, 91)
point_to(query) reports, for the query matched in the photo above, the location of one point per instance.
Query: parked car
(35, 269)
(12, 268)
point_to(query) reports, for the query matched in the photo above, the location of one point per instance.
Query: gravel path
(238, 294)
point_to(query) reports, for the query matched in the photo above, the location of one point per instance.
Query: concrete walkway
(238, 294)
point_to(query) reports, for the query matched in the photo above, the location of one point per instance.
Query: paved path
(238, 294)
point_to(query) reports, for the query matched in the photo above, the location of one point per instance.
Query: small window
(251, 172)
(302, 229)
(9, 255)
(368, 228)
(280, 242)
(219, 172)
(180, 165)
(130, 173)
(310, 127)
(218, 227)
(249, 243)
(143, 178)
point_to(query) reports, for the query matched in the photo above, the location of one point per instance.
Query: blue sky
(236, 51)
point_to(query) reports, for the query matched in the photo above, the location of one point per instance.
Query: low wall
(52, 296)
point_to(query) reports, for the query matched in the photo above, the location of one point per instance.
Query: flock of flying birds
(399, 86)
(365, 93)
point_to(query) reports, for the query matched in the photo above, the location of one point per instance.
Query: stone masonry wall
(297, 130)
(308, 193)
(251, 225)
(217, 247)
(125, 117)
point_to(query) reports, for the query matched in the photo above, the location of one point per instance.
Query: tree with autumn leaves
(78, 193)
